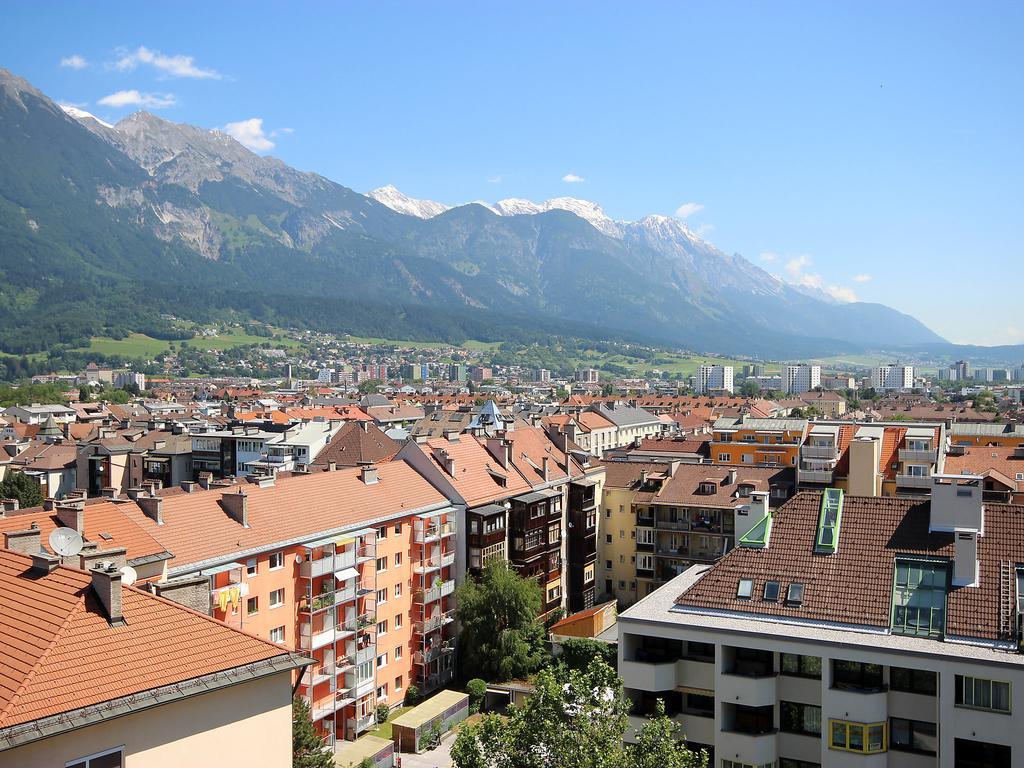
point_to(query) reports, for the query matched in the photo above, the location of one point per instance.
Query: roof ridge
(23, 688)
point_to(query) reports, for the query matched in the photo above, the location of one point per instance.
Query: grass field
(140, 345)
(673, 362)
(384, 730)
(471, 345)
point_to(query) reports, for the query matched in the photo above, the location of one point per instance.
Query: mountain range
(148, 216)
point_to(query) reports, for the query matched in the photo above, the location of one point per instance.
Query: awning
(213, 571)
(530, 498)
(346, 573)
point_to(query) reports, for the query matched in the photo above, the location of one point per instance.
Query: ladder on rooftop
(1007, 599)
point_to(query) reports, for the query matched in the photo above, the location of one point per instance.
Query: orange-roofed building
(94, 674)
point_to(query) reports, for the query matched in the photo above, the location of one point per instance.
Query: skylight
(829, 520)
(757, 537)
(795, 594)
(771, 591)
(919, 597)
(745, 588)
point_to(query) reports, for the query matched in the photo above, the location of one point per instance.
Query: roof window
(745, 588)
(771, 591)
(828, 521)
(795, 594)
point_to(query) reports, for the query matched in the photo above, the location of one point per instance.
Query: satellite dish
(66, 542)
(128, 575)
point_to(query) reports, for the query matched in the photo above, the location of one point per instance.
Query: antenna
(66, 542)
(128, 575)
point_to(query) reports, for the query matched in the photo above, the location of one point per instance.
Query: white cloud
(704, 229)
(249, 133)
(686, 210)
(494, 179)
(795, 266)
(797, 274)
(136, 99)
(839, 293)
(769, 257)
(173, 66)
(74, 61)
(572, 178)
(863, 278)
(285, 131)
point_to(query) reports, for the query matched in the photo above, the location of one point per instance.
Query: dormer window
(919, 597)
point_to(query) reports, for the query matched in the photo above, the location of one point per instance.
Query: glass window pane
(875, 737)
(1001, 696)
(857, 737)
(838, 734)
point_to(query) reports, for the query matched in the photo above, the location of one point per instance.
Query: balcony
(328, 705)
(436, 621)
(672, 525)
(914, 481)
(432, 682)
(645, 676)
(310, 641)
(748, 690)
(433, 653)
(817, 452)
(310, 569)
(363, 655)
(436, 592)
(926, 455)
(421, 535)
(815, 476)
(323, 674)
(434, 563)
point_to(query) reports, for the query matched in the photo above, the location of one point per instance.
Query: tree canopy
(500, 638)
(573, 719)
(20, 486)
(307, 743)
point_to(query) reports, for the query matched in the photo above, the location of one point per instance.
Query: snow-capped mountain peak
(398, 201)
(81, 114)
(585, 209)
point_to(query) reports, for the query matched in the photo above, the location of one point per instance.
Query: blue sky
(871, 148)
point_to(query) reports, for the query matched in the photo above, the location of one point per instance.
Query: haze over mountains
(85, 206)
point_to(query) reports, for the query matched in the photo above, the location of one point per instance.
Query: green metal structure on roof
(828, 521)
(757, 537)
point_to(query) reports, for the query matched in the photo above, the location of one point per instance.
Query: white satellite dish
(128, 575)
(66, 542)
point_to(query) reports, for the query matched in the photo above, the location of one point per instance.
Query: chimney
(135, 493)
(331, 466)
(9, 505)
(749, 515)
(237, 506)
(152, 507)
(730, 477)
(368, 474)
(44, 563)
(91, 554)
(189, 486)
(204, 479)
(965, 559)
(72, 516)
(673, 467)
(545, 469)
(27, 542)
(108, 493)
(643, 477)
(106, 583)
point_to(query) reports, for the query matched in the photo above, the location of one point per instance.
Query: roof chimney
(545, 462)
(106, 583)
(26, 542)
(91, 554)
(44, 563)
(237, 506)
(730, 477)
(135, 493)
(965, 559)
(369, 474)
(331, 466)
(9, 505)
(188, 486)
(152, 507)
(72, 515)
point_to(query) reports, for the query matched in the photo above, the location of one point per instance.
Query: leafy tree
(607, 389)
(573, 719)
(659, 744)
(20, 486)
(750, 388)
(412, 695)
(578, 652)
(477, 690)
(383, 710)
(369, 387)
(501, 638)
(307, 743)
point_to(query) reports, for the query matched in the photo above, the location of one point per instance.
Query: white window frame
(93, 756)
(270, 560)
(270, 599)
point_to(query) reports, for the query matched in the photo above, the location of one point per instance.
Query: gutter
(43, 728)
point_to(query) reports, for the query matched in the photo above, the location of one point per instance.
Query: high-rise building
(588, 375)
(543, 375)
(886, 377)
(800, 378)
(715, 378)
(457, 372)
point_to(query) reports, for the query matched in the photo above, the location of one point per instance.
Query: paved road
(435, 758)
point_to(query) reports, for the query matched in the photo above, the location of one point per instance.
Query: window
(382, 563)
(382, 596)
(276, 560)
(856, 676)
(745, 589)
(976, 693)
(398, 684)
(382, 627)
(252, 605)
(771, 591)
(913, 736)
(737, 764)
(788, 762)
(698, 704)
(607, 538)
(913, 681)
(398, 559)
(277, 598)
(398, 621)
(382, 532)
(700, 651)
(919, 597)
(726, 457)
(868, 738)
(250, 566)
(795, 665)
(382, 660)
(112, 758)
(398, 656)
(398, 528)
(795, 594)
(382, 692)
(277, 635)
(800, 718)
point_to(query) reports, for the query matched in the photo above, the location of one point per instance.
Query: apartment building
(1000, 468)
(102, 675)
(354, 567)
(587, 375)
(961, 433)
(659, 518)
(714, 378)
(589, 430)
(845, 631)
(872, 459)
(890, 377)
(800, 378)
(631, 423)
(759, 442)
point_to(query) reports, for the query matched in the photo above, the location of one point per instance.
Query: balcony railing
(815, 475)
(436, 621)
(431, 682)
(672, 525)
(436, 592)
(310, 641)
(434, 563)
(818, 451)
(914, 481)
(432, 532)
(917, 454)
(310, 569)
(429, 655)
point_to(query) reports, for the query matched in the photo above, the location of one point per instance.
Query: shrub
(412, 695)
(477, 690)
(383, 710)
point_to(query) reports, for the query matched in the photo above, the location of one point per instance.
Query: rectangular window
(382, 660)
(913, 736)
(398, 684)
(382, 532)
(250, 566)
(856, 676)
(276, 560)
(252, 605)
(800, 718)
(976, 693)
(398, 528)
(277, 598)
(398, 621)
(382, 563)
(919, 597)
(868, 738)
(398, 653)
(382, 596)
(919, 681)
(398, 559)
(111, 758)
(382, 692)
(744, 589)
(382, 627)
(795, 665)
(277, 635)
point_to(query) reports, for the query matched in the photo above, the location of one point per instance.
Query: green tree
(660, 744)
(412, 695)
(477, 690)
(607, 389)
(750, 388)
(369, 387)
(307, 743)
(578, 652)
(573, 719)
(20, 486)
(501, 638)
